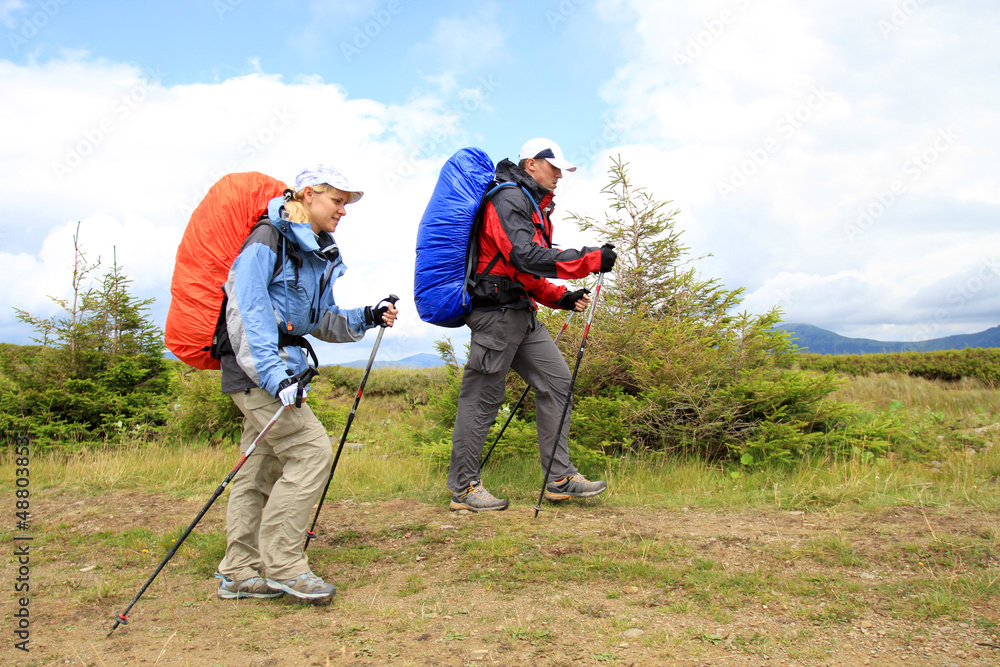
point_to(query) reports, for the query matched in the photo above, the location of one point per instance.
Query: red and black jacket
(523, 239)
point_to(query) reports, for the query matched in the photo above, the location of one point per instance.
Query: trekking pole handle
(302, 379)
(391, 300)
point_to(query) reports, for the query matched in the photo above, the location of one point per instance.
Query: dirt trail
(584, 584)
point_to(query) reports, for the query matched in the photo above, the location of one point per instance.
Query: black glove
(568, 300)
(608, 257)
(373, 315)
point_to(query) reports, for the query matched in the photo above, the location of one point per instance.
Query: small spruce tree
(99, 372)
(673, 365)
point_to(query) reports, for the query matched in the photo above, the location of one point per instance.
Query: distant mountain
(422, 360)
(811, 338)
(821, 341)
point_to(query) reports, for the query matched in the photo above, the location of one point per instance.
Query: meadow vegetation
(958, 422)
(709, 559)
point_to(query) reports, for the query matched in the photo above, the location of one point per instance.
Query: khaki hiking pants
(272, 496)
(501, 340)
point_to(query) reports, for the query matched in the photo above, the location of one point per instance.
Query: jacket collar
(508, 172)
(300, 233)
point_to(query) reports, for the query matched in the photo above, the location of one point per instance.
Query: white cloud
(808, 146)
(844, 205)
(129, 157)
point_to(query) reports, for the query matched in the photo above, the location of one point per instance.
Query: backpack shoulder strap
(472, 247)
(472, 251)
(277, 241)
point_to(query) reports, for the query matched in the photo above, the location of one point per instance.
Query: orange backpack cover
(211, 241)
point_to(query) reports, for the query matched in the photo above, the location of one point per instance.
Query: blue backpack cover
(444, 238)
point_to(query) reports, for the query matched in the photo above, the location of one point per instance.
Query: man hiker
(516, 256)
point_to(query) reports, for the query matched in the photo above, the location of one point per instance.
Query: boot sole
(556, 497)
(299, 594)
(248, 596)
(460, 506)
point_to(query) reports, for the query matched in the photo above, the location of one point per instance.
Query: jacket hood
(508, 172)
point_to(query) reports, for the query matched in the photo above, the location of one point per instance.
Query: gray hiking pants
(504, 339)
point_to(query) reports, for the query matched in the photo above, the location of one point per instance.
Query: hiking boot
(254, 587)
(306, 586)
(477, 499)
(575, 486)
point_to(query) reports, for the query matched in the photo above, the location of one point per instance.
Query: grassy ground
(861, 561)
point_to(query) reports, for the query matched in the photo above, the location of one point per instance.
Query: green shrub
(199, 409)
(606, 423)
(948, 365)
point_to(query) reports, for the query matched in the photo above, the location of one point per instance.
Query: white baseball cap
(324, 173)
(548, 149)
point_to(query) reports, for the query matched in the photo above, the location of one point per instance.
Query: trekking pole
(569, 395)
(121, 619)
(392, 299)
(520, 400)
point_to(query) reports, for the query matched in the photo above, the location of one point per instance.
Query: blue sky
(835, 159)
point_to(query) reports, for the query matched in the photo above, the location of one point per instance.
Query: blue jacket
(282, 276)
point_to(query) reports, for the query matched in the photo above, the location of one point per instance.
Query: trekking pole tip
(119, 620)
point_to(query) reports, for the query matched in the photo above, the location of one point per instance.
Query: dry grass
(967, 399)
(379, 463)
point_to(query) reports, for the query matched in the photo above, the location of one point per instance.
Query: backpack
(444, 273)
(211, 241)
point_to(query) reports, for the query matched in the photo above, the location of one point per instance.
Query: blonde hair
(296, 208)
